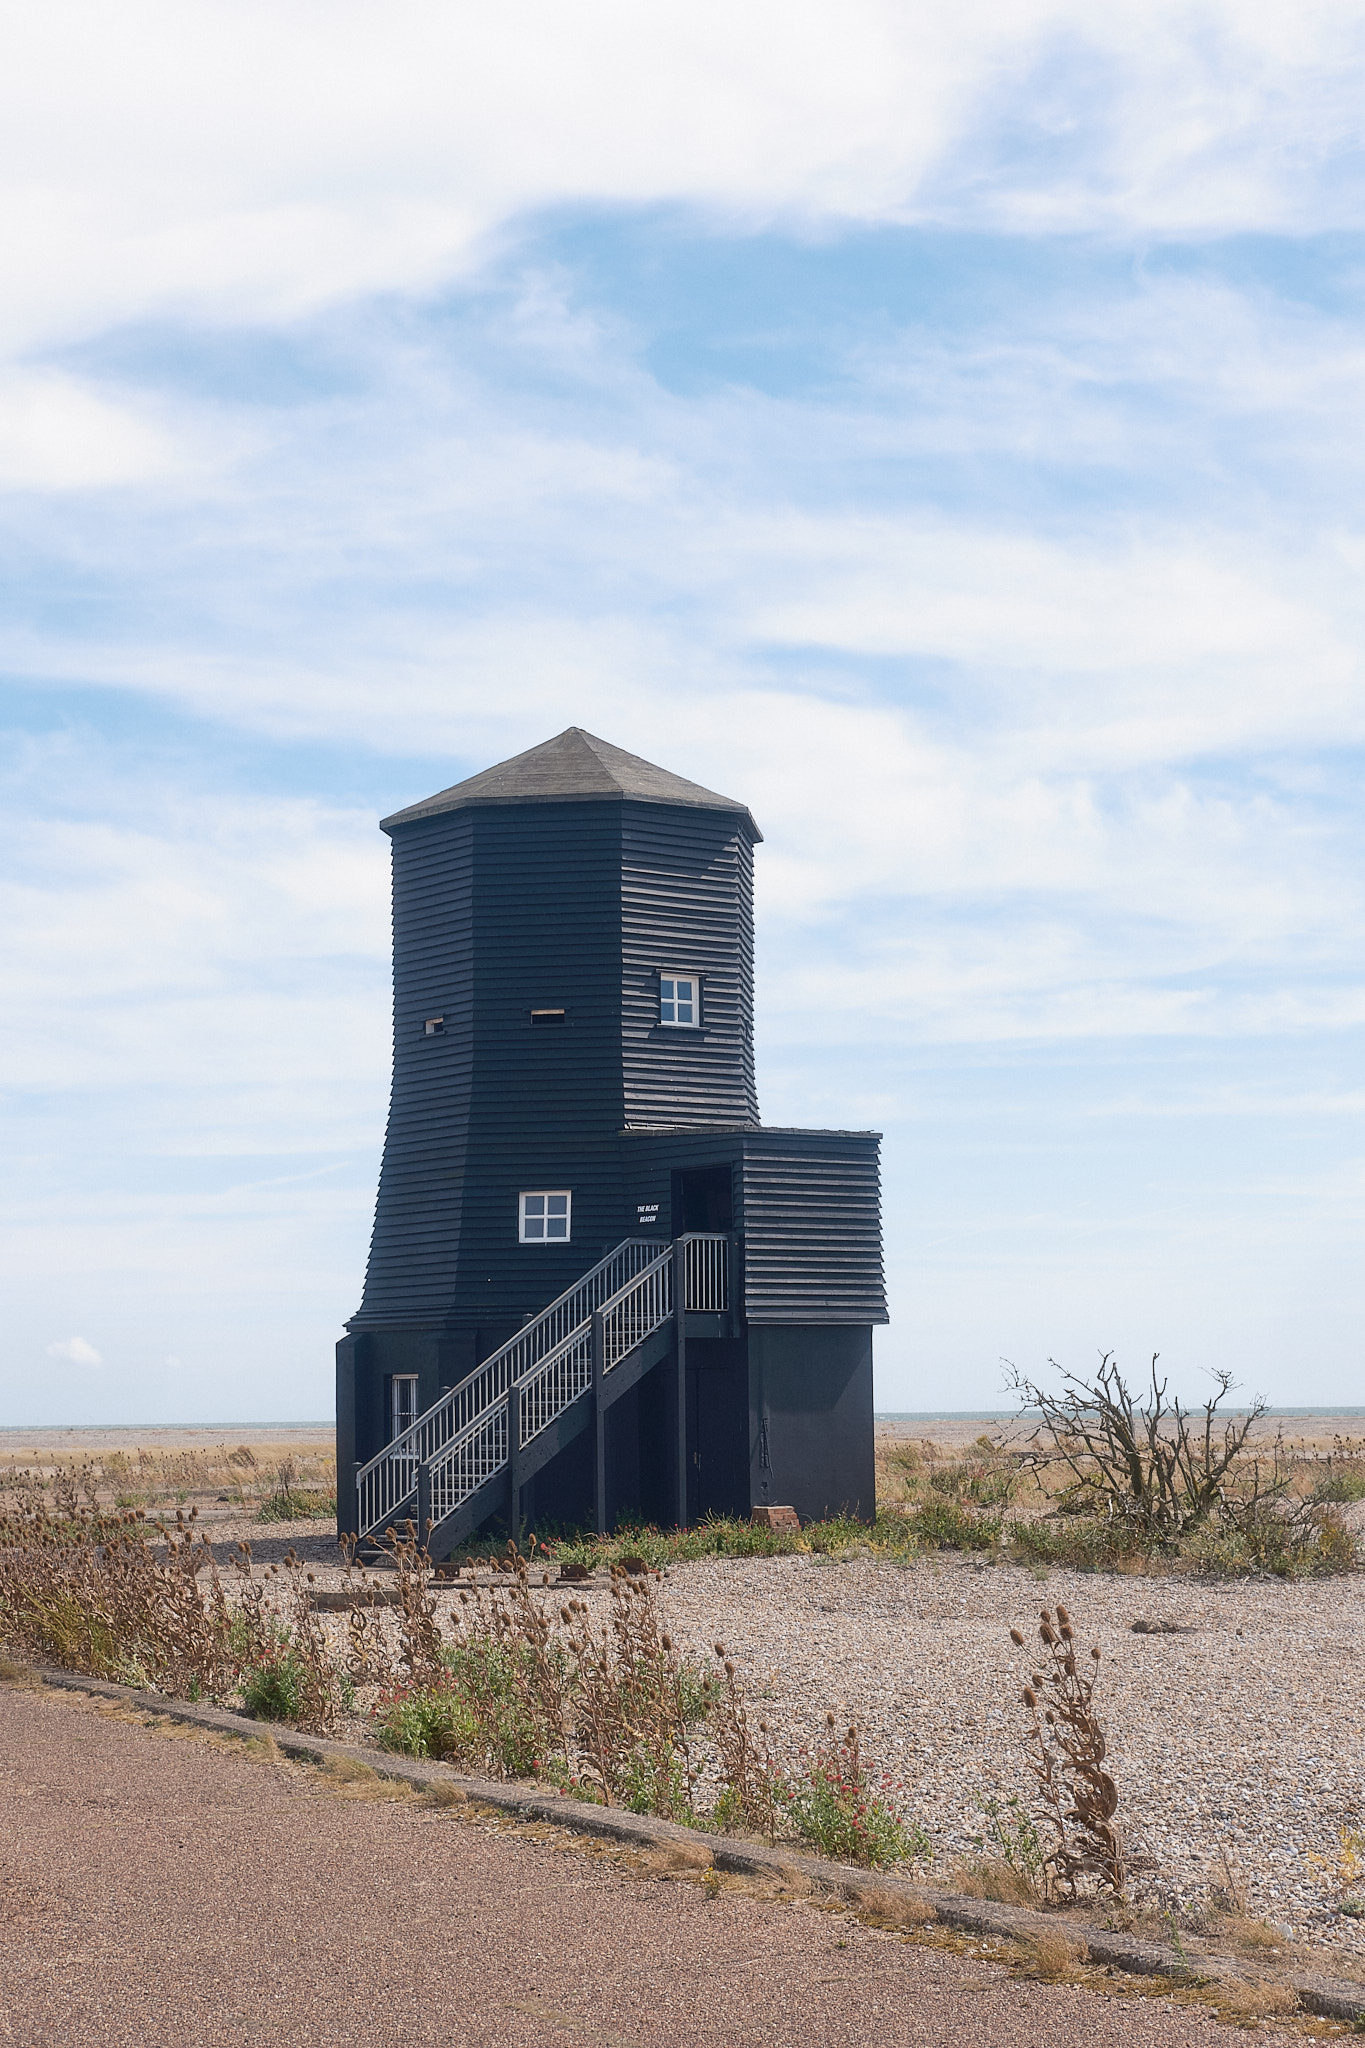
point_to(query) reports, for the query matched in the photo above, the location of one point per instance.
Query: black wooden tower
(598, 1288)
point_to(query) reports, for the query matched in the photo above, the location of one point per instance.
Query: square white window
(545, 1217)
(679, 999)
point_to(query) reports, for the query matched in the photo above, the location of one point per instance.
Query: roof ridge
(576, 766)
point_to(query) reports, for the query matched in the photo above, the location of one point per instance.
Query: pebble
(1243, 1729)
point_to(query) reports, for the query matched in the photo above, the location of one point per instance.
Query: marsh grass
(143, 1602)
(148, 1478)
(288, 1504)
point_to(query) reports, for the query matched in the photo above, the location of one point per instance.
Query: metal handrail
(386, 1486)
(707, 1267)
(472, 1418)
(481, 1450)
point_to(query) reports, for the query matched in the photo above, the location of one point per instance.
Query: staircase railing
(482, 1449)
(707, 1261)
(387, 1485)
(462, 1440)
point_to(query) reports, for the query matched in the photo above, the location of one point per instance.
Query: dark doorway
(717, 1428)
(702, 1200)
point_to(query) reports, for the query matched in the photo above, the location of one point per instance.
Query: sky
(938, 428)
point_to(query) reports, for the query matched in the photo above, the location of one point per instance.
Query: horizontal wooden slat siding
(807, 1206)
(812, 1228)
(687, 903)
(546, 1101)
(415, 1244)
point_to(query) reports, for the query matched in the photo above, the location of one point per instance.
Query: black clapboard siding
(546, 1100)
(812, 1228)
(807, 1207)
(508, 900)
(687, 903)
(414, 1247)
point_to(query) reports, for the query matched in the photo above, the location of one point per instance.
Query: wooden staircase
(470, 1454)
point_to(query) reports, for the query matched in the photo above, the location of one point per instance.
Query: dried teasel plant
(419, 1635)
(118, 1596)
(1077, 1796)
(746, 1762)
(368, 1657)
(627, 1705)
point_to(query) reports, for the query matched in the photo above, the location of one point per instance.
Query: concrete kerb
(1329, 1998)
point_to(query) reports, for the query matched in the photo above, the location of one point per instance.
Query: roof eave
(416, 814)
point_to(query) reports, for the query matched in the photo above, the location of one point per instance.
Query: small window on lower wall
(545, 1216)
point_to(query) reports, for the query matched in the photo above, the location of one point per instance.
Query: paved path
(168, 1891)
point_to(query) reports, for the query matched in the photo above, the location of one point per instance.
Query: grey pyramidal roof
(574, 767)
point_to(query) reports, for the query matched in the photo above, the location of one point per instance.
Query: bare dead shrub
(1150, 1462)
(1077, 1796)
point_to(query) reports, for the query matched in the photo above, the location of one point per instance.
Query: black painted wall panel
(810, 1420)
(414, 1248)
(687, 903)
(547, 1100)
(807, 1207)
(811, 1205)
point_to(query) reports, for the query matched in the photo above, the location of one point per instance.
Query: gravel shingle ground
(167, 1891)
(1246, 1734)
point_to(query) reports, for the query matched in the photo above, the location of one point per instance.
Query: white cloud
(57, 434)
(75, 1351)
(259, 163)
(224, 962)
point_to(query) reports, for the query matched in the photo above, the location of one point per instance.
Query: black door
(717, 1428)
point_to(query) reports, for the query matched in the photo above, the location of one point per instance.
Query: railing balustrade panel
(462, 1438)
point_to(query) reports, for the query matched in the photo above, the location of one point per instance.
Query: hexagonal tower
(573, 1071)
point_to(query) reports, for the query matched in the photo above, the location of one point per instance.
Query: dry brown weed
(441, 1793)
(349, 1778)
(668, 1859)
(1241, 1999)
(896, 1910)
(1251, 1936)
(1052, 1955)
(1077, 1796)
(990, 1877)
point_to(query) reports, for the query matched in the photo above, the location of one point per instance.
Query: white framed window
(546, 1216)
(679, 999)
(402, 1403)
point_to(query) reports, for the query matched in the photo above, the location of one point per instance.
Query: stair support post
(514, 1462)
(599, 1424)
(680, 1383)
(423, 1502)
